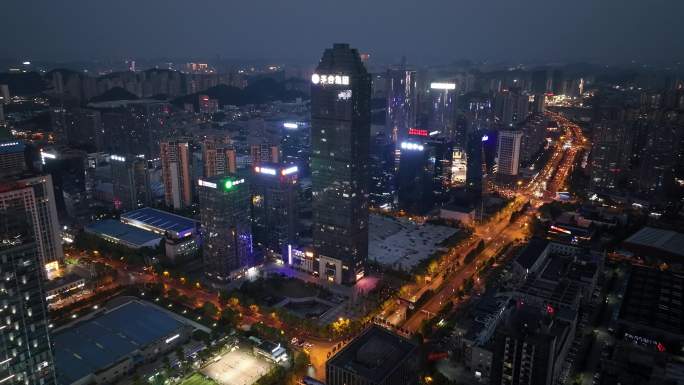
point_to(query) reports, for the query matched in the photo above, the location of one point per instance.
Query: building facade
(176, 165)
(508, 152)
(340, 136)
(226, 222)
(26, 353)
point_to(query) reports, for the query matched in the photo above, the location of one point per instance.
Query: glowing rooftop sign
(418, 132)
(289, 170)
(443, 86)
(485, 138)
(265, 170)
(412, 146)
(206, 184)
(290, 125)
(117, 158)
(342, 80)
(229, 184)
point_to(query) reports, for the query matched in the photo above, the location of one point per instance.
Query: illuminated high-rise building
(226, 222)
(443, 109)
(26, 352)
(176, 166)
(274, 192)
(508, 152)
(35, 194)
(340, 136)
(401, 102)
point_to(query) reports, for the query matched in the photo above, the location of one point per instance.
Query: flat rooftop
(107, 338)
(162, 220)
(531, 252)
(402, 244)
(123, 232)
(668, 241)
(374, 355)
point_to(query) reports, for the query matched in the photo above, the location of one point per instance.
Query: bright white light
(330, 79)
(433, 133)
(117, 158)
(48, 155)
(26, 63)
(172, 338)
(344, 95)
(292, 126)
(485, 138)
(290, 170)
(265, 170)
(9, 144)
(443, 86)
(206, 184)
(412, 146)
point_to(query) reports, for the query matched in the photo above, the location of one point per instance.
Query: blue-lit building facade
(340, 136)
(226, 225)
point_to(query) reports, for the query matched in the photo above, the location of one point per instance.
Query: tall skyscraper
(176, 166)
(226, 222)
(26, 353)
(130, 182)
(340, 136)
(401, 102)
(274, 192)
(508, 152)
(218, 157)
(443, 110)
(67, 168)
(611, 153)
(36, 195)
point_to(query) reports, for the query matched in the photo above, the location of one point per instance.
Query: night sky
(426, 31)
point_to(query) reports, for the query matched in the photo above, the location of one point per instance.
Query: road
(499, 231)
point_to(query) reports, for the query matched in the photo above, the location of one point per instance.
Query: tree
(210, 310)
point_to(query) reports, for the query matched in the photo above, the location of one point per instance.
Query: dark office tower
(78, 128)
(542, 82)
(134, 127)
(476, 170)
(130, 182)
(443, 109)
(67, 167)
(376, 357)
(662, 163)
(610, 155)
(512, 107)
(12, 157)
(530, 347)
(225, 214)
(25, 354)
(176, 162)
(382, 172)
(218, 157)
(340, 136)
(264, 152)
(274, 192)
(401, 102)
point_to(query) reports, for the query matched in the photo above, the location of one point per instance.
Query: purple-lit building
(226, 227)
(401, 102)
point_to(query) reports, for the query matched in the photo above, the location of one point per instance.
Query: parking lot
(239, 367)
